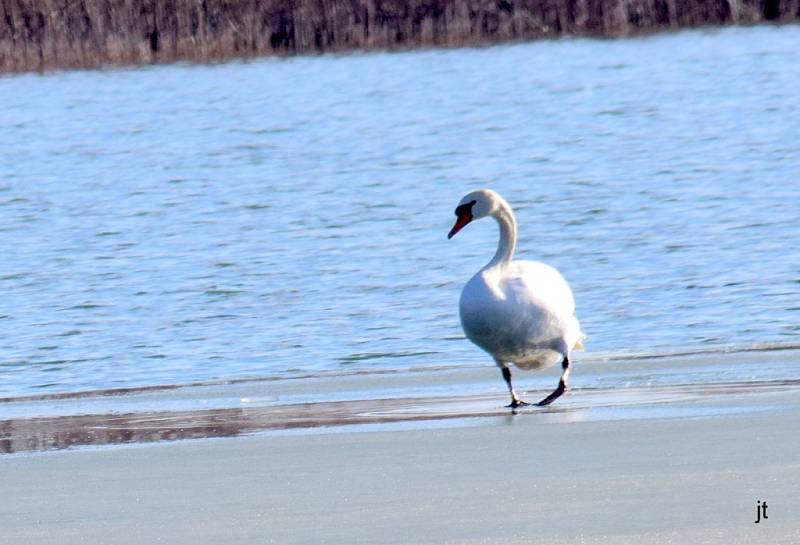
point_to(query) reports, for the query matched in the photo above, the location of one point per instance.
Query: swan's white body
(520, 312)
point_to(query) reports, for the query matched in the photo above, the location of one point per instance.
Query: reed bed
(45, 34)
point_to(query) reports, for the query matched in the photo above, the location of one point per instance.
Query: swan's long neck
(508, 236)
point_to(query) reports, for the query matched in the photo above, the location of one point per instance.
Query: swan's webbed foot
(555, 395)
(562, 385)
(517, 403)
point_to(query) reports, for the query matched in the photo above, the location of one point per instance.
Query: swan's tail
(580, 337)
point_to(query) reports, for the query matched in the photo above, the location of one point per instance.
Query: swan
(520, 312)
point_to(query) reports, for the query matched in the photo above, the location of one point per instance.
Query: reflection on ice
(586, 404)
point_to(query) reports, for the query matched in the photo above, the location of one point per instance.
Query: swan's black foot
(555, 395)
(516, 403)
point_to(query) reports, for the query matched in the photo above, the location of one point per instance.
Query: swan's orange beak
(462, 220)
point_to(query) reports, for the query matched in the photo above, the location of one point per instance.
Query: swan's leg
(515, 401)
(562, 384)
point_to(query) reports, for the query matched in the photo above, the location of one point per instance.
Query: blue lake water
(178, 223)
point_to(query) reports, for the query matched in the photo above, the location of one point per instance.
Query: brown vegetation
(41, 34)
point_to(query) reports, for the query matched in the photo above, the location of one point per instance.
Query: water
(181, 223)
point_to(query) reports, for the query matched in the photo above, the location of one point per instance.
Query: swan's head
(474, 206)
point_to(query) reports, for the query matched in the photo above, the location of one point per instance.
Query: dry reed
(43, 34)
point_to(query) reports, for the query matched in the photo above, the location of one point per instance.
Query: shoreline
(51, 35)
(65, 432)
(584, 358)
(682, 386)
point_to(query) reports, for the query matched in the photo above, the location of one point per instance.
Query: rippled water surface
(179, 223)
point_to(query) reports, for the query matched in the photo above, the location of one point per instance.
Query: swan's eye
(464, 213)
(465, 209)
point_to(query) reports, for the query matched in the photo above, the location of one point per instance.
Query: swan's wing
(540, 285)
(543, 285)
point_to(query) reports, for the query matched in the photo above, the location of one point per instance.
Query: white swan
(520, 312)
